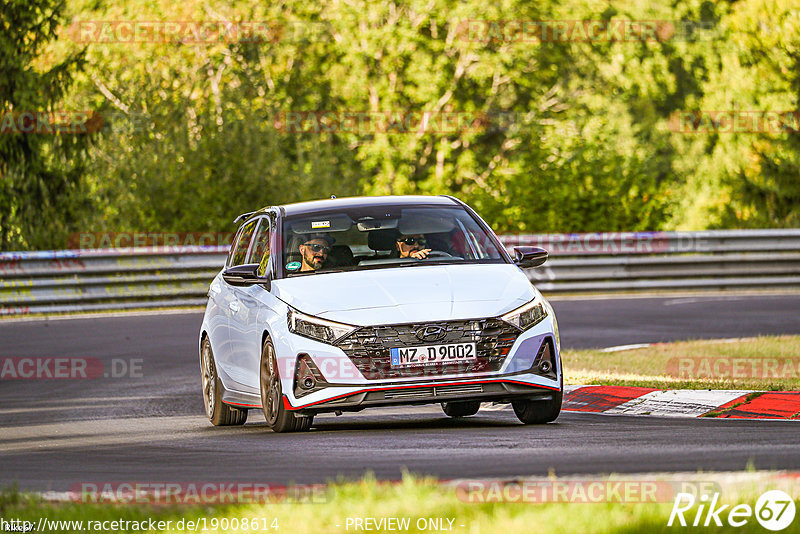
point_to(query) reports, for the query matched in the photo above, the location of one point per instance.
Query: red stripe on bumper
(289, 407)
(245, 405)
(601, 398)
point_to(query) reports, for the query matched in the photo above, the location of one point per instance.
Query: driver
(315, 251)
(413, 246)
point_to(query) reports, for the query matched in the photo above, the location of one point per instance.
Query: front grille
(415, 393)
(438, 391)
(466, 389)
(369, 347)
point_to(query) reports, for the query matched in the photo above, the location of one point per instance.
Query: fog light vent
(545, 364)
(307, 376)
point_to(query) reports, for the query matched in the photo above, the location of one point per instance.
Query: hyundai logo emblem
(431, 333)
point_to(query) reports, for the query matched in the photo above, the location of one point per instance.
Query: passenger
(413, 246)
(315, 252)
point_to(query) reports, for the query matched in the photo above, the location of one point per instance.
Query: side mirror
(242, 275)
(526, 257)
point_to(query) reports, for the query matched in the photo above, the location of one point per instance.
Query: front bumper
(498, 390)
(506, 370)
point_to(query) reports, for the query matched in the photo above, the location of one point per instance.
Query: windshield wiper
(427, 261)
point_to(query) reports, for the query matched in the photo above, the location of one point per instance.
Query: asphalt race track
(150, 427)
(606, 323)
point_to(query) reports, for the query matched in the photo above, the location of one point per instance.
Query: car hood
(408, 294)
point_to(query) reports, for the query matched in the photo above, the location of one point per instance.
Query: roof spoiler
(244, 216)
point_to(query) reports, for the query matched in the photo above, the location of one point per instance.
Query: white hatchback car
(338, 305)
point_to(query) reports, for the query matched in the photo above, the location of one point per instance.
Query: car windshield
(381, 237)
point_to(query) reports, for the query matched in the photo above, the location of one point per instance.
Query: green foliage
(570, 135)
(749, 178)
(40, 174)
(768, 44)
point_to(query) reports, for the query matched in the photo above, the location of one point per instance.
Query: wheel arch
(203, 336)
(266, 334)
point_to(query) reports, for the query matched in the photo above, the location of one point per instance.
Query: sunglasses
(317, 248)
(414, 240)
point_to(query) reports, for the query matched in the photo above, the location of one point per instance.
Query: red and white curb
(730, 404)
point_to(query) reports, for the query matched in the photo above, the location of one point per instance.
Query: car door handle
(234, 306)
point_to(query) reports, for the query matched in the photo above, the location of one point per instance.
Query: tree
(40, 172)
(745, 169)
(553, 134)
(767, 189)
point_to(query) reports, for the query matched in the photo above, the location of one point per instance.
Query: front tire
(279, 419)
(219, 413)
(537, 412)
(461, 408)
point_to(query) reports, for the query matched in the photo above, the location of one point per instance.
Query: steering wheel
(439, 254)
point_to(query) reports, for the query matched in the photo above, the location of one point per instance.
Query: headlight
(528, 315)
(316, 328)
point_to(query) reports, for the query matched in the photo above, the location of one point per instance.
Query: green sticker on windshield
(292, 265)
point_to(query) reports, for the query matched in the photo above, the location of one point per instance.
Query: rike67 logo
(774, 510)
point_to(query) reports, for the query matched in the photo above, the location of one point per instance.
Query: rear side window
(239, 249)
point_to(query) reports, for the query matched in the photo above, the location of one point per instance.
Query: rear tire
(279, 419)
(537, 412)
(461, 408)
(219, 413)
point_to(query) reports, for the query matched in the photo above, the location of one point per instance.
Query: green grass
(413, 498)
(769, 363)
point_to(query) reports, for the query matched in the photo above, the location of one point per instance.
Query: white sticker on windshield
(320, 224)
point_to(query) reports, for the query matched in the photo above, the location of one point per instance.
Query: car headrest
(293, 250)
(382, 239)
(341, 256)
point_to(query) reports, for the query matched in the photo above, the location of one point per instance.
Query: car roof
(313, 206)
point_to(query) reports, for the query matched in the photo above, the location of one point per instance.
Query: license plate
(429, 354)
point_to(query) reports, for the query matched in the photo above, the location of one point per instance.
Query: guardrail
(106, 279)
(637, 261)
(113, 279)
